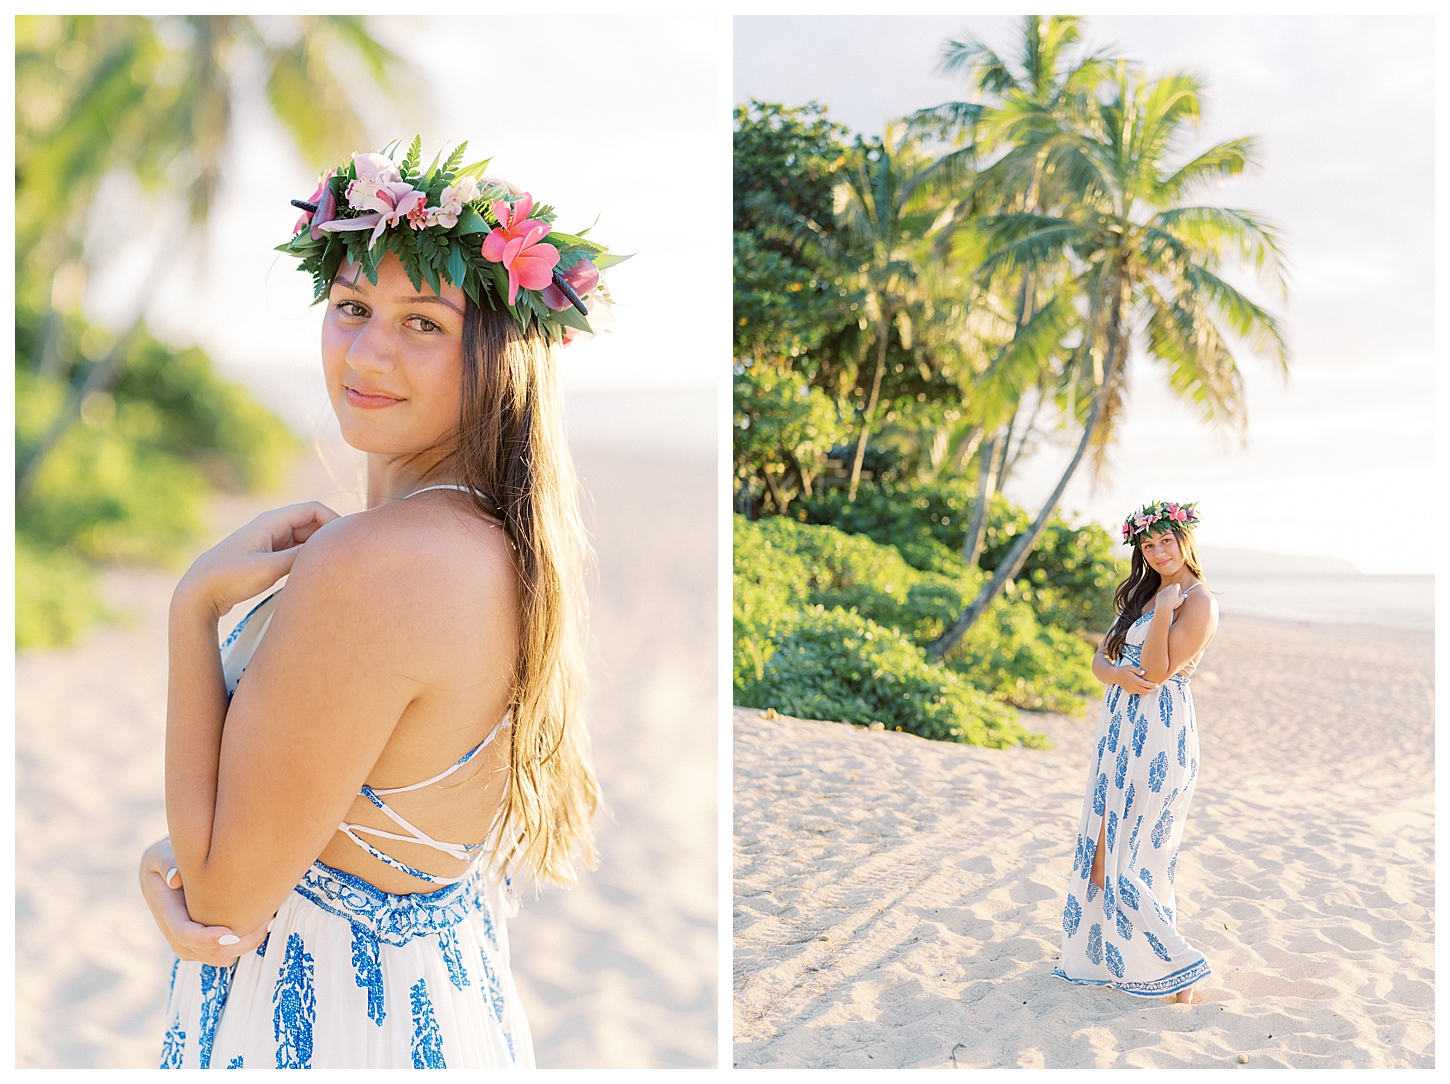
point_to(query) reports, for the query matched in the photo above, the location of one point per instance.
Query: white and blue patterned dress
(354, 977)
(1125, 934)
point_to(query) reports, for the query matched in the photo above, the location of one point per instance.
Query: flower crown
(1171, 515)
(446, 226)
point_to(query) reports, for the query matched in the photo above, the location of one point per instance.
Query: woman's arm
(353, 642)
(162, 888)
(1179, 629)
(1130, 678)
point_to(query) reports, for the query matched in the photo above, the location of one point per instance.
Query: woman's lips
(370, 399)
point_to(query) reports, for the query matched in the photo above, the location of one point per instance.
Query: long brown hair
(511, 449)
(1141, 585)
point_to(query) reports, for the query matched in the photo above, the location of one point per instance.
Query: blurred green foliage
(120, 438)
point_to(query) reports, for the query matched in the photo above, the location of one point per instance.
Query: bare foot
(1185, 997)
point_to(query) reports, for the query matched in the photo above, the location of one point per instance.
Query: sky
(619, 118)
(1343, 108)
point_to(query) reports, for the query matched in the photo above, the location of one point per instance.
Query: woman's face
(393, 359)
(1162, 553)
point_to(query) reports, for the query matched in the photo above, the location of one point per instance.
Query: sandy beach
(898, 901)
(619, 971)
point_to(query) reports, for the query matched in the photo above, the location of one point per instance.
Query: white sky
(1344, 108)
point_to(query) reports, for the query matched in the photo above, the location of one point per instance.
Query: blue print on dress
(1071, 915)
(1158, 949)
(1157, 772)
(172, 1045)
(1125, 928)
(1140, 735)
(1121, 772)
(215, 982)
(235, 1063)
(1165, 706)
(427, 1040)
(1133, 705)
(368, 966)
(1113, 729)
(1183, 748)
(1095, 944)
(494, 995)
(509, 1038)
(1115, 960)
(1161, 831)
(1128, 803)
(1113, 694)
(1100, 794)
(1102, 744)
(1112, 828)
(174, 965)
(453, 957)
(1192, 769)
(1109, 904)
(1127, 892)
(1089, 850)
(1077, 854)
(1092, 891)
(294, 1007)
(488, 921)
(1147, 876)
(262, 948)
(1172, 869)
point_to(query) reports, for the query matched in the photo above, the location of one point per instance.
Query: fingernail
(170, 874)
(228, 939)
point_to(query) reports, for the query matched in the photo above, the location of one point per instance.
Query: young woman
(405, 742)
(1119, 922)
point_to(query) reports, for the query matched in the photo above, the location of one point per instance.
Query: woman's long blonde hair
(511, 448)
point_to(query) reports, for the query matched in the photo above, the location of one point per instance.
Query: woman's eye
(426, 325)
(351, 308)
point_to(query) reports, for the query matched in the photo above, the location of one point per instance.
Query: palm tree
(152, 97)
(1128, 257)
(1048, 92)
(882, 225)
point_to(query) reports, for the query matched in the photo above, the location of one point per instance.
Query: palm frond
(1224, 230)
(1201, 368)
(1219, 163)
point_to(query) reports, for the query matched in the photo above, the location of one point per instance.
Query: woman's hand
(1168, 599)
(161, 885)
(1132, 680)
(249, 561)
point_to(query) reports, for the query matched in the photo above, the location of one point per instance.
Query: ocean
(1401, 602)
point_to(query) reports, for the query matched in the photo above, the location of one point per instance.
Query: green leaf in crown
(448, 224)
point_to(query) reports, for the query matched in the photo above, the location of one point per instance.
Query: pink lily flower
(1178, 515)
(583, 277)
(381, 191)
(516, 245)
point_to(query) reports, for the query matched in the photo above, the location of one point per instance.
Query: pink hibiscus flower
(516, 245)
(582, 278)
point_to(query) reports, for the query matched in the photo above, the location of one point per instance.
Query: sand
(898, 901)
(619, 971)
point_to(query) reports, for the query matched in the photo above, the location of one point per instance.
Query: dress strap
(449, 485)
(446, 772)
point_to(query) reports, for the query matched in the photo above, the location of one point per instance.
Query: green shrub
(129, 479)
(1071, 570)
(55, 597)
(842, 666)
(789, 574)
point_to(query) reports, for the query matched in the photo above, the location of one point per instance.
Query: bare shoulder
(1200, 607)
(427, 574)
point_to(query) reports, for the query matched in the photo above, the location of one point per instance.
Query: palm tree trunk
(986, 481)
(1017, 556)
(883, 331)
